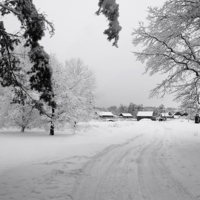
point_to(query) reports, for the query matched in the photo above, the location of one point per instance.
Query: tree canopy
(170, 44)
(33, 25)
(40, 75)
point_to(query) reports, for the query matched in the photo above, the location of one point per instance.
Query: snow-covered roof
(126, 115)
(165, 114)
(105, 114)
(145, 114)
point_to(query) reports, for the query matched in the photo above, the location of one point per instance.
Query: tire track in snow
(110, 174)
(135, 170)
(155, 179)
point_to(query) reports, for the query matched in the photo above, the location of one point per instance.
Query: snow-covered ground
(125, 160)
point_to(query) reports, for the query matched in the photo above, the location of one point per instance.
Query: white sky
(79, 34)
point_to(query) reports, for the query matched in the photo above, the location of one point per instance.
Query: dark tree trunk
(52, 122)
(51, 129)
(22, 129)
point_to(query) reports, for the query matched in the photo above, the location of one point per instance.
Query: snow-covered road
(138, 169)
(118, 161)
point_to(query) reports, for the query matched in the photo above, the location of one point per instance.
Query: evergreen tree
(110, 10)
(33, 25)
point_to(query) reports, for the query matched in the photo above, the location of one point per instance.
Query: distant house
(179, 114)
(126, 115)
(176, 115)
(145, 115)
(165, 115)
(106, 115)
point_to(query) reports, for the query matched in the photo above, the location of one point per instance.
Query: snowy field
(125, 160)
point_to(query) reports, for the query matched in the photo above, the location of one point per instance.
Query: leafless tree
(170, 44)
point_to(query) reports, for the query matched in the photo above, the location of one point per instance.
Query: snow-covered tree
(140, 107)
(113, 110)
(32, 29)
(161, 108)
(122, 109)
(13, 114)
(131, 108)
(17, 108)
(170, 45)
(74, 88)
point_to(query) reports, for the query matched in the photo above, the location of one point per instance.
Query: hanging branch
(110, 10)
(33, 25)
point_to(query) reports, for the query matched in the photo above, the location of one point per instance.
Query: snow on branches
(33, 26)
(170, 45)
(110, 9)
(74, 89)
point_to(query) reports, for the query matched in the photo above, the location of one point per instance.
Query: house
(176, 115)
(126, 115)
(106, 115)
(146, 115)
(165, 115)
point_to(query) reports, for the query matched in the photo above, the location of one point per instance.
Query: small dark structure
(161, 118)
(197, 119)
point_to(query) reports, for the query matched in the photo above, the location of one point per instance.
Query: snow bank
(18, 148)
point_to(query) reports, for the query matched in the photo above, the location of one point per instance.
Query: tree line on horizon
(134, 108)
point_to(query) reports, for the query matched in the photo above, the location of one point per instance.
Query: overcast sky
(79, 34)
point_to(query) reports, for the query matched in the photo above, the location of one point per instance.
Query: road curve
(135, 170)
